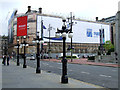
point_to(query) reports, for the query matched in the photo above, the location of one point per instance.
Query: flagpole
(49, 42)
(71, 38)
(41, 38)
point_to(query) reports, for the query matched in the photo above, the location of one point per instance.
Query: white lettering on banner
(22, 25)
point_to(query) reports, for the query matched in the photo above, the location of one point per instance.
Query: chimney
(15, 13)
(40, 10)
(96, 18)
(29, 8)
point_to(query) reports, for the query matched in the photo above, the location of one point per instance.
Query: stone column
(117, 23)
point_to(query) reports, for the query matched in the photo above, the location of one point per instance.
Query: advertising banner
(22, 26)
(83, 31)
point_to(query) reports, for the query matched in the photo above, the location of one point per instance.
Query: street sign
(22, 26)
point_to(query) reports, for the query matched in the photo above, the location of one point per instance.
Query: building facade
(79, 44)
(0, 46)
(111, 20)
(117, 49)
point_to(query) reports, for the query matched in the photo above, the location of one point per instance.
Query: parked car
(46, 56)
(32, 57)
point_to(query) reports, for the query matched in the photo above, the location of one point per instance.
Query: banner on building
(22, 26)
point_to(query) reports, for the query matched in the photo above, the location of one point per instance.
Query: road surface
(98, 75)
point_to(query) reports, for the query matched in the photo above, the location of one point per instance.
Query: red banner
(22, 26)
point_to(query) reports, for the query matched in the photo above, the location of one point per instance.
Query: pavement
(85, 62)
(18, 77)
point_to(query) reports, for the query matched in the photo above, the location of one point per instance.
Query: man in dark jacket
(8, 58)
(4, 60)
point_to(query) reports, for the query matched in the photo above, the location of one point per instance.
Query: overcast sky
(85, 9)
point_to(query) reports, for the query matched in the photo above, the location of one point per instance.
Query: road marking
(114, 70)
(70, 70)
(104, 75)
(50, 66)
(59, 63)
(45, 64)
(60, 68)
(85, 72)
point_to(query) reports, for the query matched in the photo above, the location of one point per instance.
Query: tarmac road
(98, 75)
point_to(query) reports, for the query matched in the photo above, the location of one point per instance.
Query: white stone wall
(119, 6)
(118, 34)
(0, 46)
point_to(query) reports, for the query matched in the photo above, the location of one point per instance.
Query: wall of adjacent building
(0, 46)
(118, 35)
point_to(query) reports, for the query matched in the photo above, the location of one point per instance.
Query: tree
(4, 37)
(109, 47)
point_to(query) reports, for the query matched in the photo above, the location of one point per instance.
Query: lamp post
(71, 24)
(5, 47)
(37, 40)
(49, 50)
(24, 44)
(18, 53)
(64, 31)
(102, 41)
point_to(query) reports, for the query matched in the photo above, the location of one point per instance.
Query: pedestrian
(4, 60)
(8, 58)
(116, 57)
(56, 56)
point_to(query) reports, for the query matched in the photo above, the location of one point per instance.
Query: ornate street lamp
(64, 31)
(70, 21)
(38, 40)
(24, 44)
(18, 52)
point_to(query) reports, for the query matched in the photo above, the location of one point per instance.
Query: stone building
(56, 47)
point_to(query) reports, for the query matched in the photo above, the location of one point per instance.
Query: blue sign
(89, 32)
(96, 34)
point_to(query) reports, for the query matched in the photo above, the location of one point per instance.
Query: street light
(24, 44)
(71, 24)
(49, 29)
(5, 47)
(101, 31)
(38, 40)
(18, 53)
(64, 31)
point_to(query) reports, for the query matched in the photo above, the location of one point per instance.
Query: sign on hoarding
(83, 31)
(22, 26)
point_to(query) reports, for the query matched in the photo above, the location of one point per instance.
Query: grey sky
(85, 9)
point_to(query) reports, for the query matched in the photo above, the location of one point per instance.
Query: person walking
(4, 60)
(8, 58)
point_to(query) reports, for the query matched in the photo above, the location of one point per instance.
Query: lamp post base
(38, 70)
(64, 79)
(24, 66)
(18, 64)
